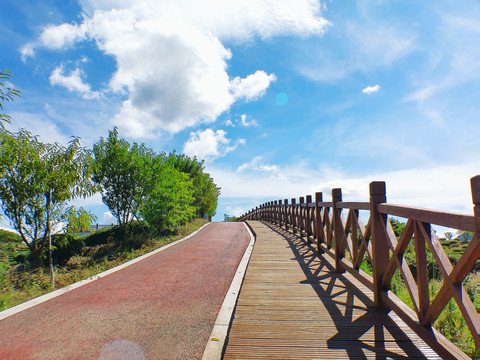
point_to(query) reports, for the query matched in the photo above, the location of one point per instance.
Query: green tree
(67, 175)
(397, 226)
(79, 220)
(37, 182)
(21, 190)
(123, 171)
(170, 197)
(206, 192)
(6, 94)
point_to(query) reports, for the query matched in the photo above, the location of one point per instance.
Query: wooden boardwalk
(293, 305)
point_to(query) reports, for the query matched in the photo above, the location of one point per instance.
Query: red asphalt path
(162, 307)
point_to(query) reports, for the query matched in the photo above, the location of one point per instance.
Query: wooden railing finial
(475, 184)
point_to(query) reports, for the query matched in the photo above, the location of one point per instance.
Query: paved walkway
(162, 307)
(293, 305)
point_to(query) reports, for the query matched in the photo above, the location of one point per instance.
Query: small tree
(67, 175)
(21, 187)
(79, 220)
(123, 172)
(6, 94)
(37, 181)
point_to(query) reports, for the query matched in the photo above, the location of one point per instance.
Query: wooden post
(276, 212)
(270, 211)
(422, 273)
(301, 218)
(308, 222)
(379, 240)
(294, 214)
(338, 229)
(318, 221)
(285, 214)
(475, 184)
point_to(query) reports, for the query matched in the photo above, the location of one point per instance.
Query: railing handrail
(325, 223)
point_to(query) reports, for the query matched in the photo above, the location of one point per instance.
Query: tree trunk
(49, 235)
(50, 258)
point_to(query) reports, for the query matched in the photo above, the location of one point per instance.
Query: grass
(451, 322)
(19, 283)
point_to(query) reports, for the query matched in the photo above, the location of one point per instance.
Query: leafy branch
(6, 94)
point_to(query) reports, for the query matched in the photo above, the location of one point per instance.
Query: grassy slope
(18, 286)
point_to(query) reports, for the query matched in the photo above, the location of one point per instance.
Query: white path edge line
(216, 341)
(38, 300)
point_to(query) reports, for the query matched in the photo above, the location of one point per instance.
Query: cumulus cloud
(247, 123)
(256, 164)
(108, 218)
(39, 125)
(59, 36)
(251, 87)
(235, 210)
(171, 64)
(409, 186)
(26, 51)
(73, 82)
(209, 144)
(371, 89)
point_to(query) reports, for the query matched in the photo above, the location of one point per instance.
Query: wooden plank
(448, 219)
(293, 305)
(353, 205)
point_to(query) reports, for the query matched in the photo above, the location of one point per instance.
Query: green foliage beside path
(165, 191)
(451, 322)
(37, 180)
(102, 250)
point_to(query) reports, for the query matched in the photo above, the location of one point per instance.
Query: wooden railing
(325, 224)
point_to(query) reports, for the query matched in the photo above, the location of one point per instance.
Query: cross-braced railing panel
(338, 229)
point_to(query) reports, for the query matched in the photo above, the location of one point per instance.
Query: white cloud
(379, 43)
(247, 123)
(445, 187)
(26, 51)
(256, 164)
(422, 94)
(46, 130)
(209, 144)
(73, 82)
(235, 210)
(170, 61)
(108, 218)
(229, 123)
(367, 43)
(59, 36)
(251, 87)
(371, 89)
(234, 19)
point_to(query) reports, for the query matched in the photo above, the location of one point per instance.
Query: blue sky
(282, 98)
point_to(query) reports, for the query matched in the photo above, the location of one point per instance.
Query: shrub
(65, 246)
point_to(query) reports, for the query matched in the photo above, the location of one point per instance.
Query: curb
(218, 336)
(41, 299)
